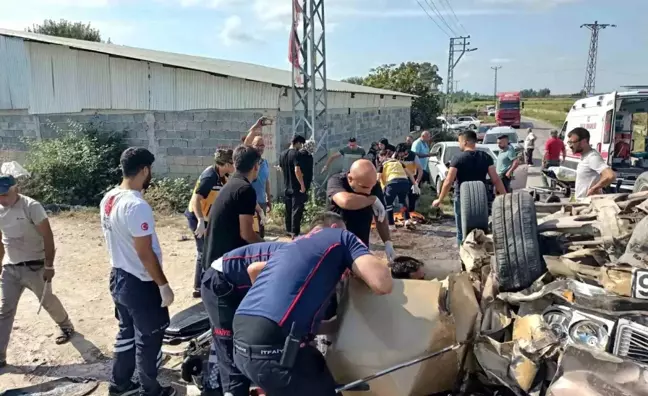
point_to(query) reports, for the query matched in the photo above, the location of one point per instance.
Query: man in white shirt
(592, 173)
(529, 146)
(138, 286)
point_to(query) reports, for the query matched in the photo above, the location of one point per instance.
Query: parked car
(468, 122)
(481, 131)
(443, 152)
(439, 162)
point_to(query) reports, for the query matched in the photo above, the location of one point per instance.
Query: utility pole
(496, 68)
(458, 45)
(309, 93)
(590, 71)
(456, 87)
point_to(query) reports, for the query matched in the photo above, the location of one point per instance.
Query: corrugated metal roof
(242, 70)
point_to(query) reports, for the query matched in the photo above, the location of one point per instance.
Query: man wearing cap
(507, 161)
(207, 188)
(351, 153)
(27, 253)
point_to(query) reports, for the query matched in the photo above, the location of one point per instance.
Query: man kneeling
(282, 311)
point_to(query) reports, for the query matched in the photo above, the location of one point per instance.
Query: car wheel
(515, 237)
(438, 185)
(641, 184)
(474, 207)
(473, 126)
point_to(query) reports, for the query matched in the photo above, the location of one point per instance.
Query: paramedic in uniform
(224, 285)
(27, 254)
(288, 300)
(592, 173)
(356, 196)
(139, 288)
(207, 187)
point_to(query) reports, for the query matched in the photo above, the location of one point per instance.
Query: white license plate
(640, 284)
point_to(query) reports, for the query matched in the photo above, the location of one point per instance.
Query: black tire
(515, 237)
(474, 207)
(641, 184)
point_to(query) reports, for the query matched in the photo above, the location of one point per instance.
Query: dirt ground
(81, 283)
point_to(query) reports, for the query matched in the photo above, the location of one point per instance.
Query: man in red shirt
(553, 149)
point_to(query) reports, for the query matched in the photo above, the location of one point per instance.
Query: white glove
(416, 190)
(389, 251)
(262, 218)
(167, 295)
(379, 210)
(200, 229)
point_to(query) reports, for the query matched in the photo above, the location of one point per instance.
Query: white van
(609, 120)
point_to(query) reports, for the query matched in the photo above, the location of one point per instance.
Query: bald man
(261, 185)
(356, 195)
(421, 147)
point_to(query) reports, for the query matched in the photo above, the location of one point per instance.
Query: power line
(590, 72)
(455, 16)
(432, 19)
(438, 13)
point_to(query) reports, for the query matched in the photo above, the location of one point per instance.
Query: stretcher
(562, 180)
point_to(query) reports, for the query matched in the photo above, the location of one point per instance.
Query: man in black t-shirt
(295, 196)
(357, 196)
(470, 165)
(231, 218)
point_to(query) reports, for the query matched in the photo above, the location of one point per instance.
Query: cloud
(501, 60)
(234, 32)
(541, 4)
(210, 3)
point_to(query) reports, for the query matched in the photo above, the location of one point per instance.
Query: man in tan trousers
(27, 253)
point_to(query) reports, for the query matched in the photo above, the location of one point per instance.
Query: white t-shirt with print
(125, 215)
(588, 172)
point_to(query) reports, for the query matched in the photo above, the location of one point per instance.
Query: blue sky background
(538, 42)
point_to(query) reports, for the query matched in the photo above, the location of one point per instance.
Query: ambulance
(615, 132)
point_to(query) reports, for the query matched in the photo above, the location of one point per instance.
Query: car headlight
(558, 322)
(590, 334)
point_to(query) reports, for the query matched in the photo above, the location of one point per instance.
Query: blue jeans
(200, 242)
(457, 213)
(398, 188)
(142, 322)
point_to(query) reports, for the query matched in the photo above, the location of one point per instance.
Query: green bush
(169, 195)
(75, 168)
(313, 207)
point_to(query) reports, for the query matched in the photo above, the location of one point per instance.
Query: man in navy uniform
(224, 284)
(284, 308)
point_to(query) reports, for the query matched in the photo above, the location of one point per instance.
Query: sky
(538, 43)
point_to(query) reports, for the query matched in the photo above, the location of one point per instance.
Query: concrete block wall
(184, 142)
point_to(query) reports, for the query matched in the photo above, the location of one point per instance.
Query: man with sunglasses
(593, 174)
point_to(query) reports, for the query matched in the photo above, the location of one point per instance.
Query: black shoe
(132, 389)
(196, 293)
(3, 363)
(211, 392)
(167, 391)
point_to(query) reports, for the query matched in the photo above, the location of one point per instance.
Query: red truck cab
(508, 109)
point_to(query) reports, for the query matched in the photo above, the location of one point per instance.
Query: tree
(420, 79)
(354, 80)
(63, 28)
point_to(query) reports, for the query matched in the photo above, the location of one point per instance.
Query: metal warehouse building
(180, 107)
